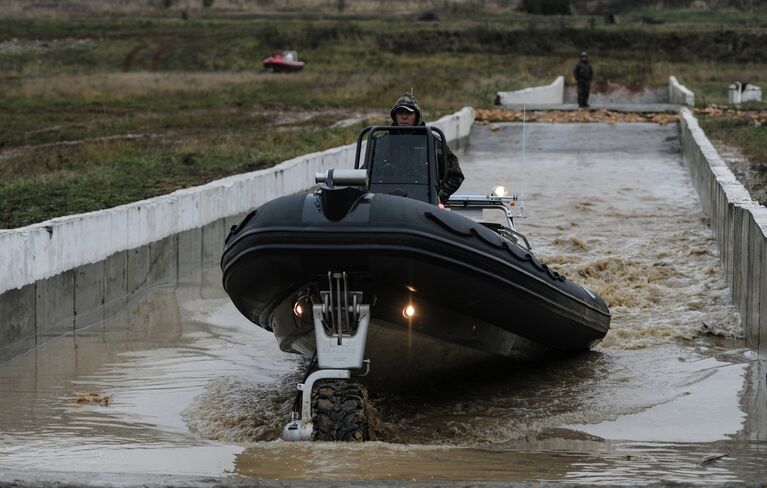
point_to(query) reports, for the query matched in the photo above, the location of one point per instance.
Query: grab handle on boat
(343, 177)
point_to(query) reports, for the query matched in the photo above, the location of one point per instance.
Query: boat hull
(475, 293)
(406, 353)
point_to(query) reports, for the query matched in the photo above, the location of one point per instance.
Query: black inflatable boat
(371, 267)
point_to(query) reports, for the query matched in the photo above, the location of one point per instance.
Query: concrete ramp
(552, 94)
(604, 95)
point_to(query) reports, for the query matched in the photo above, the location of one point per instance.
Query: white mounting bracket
(346, 351)
(301, 430)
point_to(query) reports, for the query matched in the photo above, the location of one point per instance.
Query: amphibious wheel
(340, 412)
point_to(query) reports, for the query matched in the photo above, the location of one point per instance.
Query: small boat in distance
(283, 62)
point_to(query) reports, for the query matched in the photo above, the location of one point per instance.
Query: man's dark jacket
(583, 72)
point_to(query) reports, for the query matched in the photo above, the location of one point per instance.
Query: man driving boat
(406, 112)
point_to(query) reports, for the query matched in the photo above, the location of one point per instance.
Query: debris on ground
(757, 118)
(92, 398)
(573, 116)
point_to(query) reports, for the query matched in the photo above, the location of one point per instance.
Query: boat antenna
(524, 125)
(524, 157)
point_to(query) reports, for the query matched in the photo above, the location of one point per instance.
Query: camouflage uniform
(583, 73)
(454, 177)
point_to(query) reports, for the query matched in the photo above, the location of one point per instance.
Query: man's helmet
(409, 103)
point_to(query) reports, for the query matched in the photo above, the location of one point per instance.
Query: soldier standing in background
(583, 73)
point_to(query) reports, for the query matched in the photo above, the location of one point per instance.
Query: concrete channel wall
(68, 273)
(739, 225)
(556, 94)
(553, 94)
(680, 94)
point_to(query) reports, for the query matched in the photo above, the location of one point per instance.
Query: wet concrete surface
(199, 395)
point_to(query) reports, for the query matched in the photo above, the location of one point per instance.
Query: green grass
(92, 176)
(686, 17)
(98, 111)
(740, 132)
(745, 130)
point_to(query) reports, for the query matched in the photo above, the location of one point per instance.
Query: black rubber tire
(340, 412)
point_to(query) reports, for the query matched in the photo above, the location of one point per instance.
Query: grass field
(102, 109)
(745, 130)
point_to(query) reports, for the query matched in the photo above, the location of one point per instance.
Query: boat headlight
(500, 191)
(302, 305)
(409, 311)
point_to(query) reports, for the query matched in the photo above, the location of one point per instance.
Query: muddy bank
(578, 116)
(739, 137)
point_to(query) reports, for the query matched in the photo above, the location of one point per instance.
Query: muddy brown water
(197, 390)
